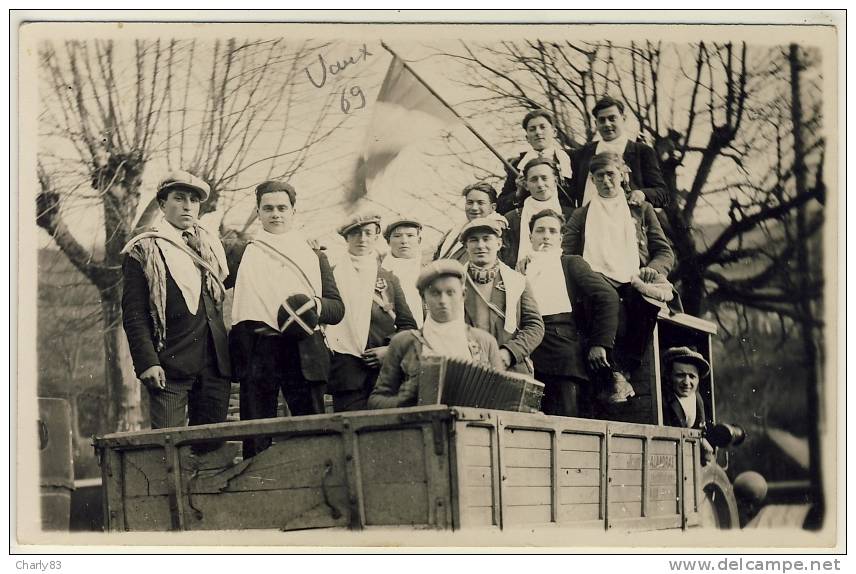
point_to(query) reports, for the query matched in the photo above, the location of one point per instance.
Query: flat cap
(359, 220)
(401, 221)
(184, 179)
(687, 355)
(439, 268)
(491, 224)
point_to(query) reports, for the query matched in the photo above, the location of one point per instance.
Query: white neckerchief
(265, 280)
(689, 406)
(184, 271)
(563, 161)
(407, 272)
(547, 279)
(356, 278)
(610, 238)
(515, 284)
(446, 339)
(616, 146)
(531, 206)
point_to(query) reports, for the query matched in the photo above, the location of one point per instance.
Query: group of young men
(559, 277)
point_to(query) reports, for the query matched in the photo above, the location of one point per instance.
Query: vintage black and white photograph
(484, 283)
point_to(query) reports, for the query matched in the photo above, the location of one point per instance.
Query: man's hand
(597, 358)
(708, 455)
(522, 263)
(507, 357)
(635, 197)
(154, 378)
(648, 275)
(374, 357)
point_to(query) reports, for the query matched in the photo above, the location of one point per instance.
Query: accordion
(461, 383)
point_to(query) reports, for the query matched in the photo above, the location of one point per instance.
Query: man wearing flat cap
(174, 280)
(442, 284)
(404, 236)
(499, 300)
(285, 292)
(375, 309)
(684, 368)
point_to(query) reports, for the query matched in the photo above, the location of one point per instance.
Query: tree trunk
(124, 411)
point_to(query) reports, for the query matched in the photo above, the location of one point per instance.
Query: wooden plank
(579, 512)
(619, 461)
(528, 476)
(662, 477)
(515, 515)
(473, 435)
(144, 472)
(579, 494)
(619, 510)
(477, 456)
(625, 494)
(663, 507)
(112, 477)
(526, 496)
(479, 496)
(663, 462)
(625, 445)
(474, 516)
(392, 455)
(625, 477)
(526, 457)
(399, 504)
(477, 476)
(670, 492)
(147, 514)
(574, 459)
(658, 446)
(579, 442)
(524, 438)
(579, 477)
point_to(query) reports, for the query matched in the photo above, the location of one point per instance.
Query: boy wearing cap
(684, 407)
(626, 245)
(172, 310)
(284, 293)
(645, 180)
(404, 260)
(442, 285)
(375, 309)
(499, 299)
(540, 129)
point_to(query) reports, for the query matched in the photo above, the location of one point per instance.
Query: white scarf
(688, 404)
(265, 279)
(547, 279)
(184, 271)
(531, 206)
(561, 158)
(610, 238)
(407, 272)
(447, 339)
(616, 146)
(356, 278)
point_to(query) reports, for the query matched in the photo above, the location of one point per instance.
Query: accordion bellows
(461, 383)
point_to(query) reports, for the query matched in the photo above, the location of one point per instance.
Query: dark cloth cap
(687, 355)
(179, 179)
(359, 220)
(492, 224)
(398, 223)
(439, 268)
(273, 186)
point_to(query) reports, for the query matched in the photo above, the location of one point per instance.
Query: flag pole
(504, 161)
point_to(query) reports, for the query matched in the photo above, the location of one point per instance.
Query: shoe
(617, 390)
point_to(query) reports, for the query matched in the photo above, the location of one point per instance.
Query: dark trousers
(274, 368)
(351, 383)
(636, 323)
(565, 396)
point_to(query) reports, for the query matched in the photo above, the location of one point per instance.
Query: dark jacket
(593, 322)
(673, 413)
(530, 328)
(654, 249)
(508, 199)
(382, 327)
(187, 350)
(645, 173)
(313, 351)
